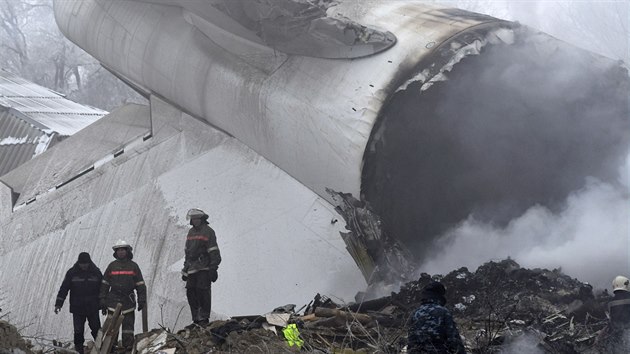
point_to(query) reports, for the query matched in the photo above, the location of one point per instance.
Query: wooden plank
(100, 337)
(101, 333)
(112, 337)
(110, 330)
(326, 312)
(310, 317)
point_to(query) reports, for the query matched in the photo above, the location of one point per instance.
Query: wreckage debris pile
(11, 341)
(502, 303)
(496, 306)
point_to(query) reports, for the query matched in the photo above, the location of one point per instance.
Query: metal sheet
(46, 109)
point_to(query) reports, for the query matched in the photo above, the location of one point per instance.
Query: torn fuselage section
(381, 258)
(489, 125)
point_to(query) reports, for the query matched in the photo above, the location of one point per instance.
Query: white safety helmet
(121, 244)
(621, 283)
(196, 213)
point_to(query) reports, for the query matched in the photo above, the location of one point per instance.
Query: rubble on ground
(499, 307)
(11, 342)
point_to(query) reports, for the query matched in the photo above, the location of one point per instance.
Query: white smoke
(598, 26)
(588, 239)
(525, 344)
(589, 236)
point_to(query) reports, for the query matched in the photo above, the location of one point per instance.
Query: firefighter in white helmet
(619, 307)
(614, 337)
(201, 264)
(120, 279)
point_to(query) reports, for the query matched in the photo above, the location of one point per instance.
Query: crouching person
(432, 327)
(82, 281)
(120, 279)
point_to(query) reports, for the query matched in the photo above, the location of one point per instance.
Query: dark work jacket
(120, 279)
(201, 250)
(83, 286)
(433, 330)
(619, 308)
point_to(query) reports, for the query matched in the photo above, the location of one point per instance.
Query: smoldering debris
(499, 308)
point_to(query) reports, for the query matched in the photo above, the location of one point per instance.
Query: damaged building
(34, 118)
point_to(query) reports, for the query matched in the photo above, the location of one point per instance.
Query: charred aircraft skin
(332, 120)
(310, 116)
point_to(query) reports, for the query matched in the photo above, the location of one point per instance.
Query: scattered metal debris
(380, 257)
(501, 304)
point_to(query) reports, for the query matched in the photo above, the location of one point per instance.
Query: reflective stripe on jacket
(121, 278)
(201, 250)
(83, 286)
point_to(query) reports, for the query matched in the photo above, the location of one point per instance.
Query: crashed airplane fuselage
(427, 114)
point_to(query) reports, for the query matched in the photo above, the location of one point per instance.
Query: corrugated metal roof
(32, 116)
(45, 108)
(12, 156)
(19, 140)
(11, 125)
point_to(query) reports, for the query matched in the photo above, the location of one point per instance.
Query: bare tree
(34, 48)
(13, 20)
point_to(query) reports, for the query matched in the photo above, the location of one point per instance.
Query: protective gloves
(57, 309)
(214, 275)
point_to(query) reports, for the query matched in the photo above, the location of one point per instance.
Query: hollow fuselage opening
(515, 126)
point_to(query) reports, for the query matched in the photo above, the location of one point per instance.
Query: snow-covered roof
(32, 118)
(44, 108)
(19, 140)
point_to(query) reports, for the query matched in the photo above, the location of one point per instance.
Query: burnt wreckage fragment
(380, 257)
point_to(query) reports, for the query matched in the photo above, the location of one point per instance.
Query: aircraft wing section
(289, 26)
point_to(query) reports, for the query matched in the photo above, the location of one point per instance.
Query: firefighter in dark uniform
(616, 335)
(619, 307)
(201, 263)
(120, 279)
(433, 329)
(83, 281)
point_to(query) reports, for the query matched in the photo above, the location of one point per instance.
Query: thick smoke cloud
(524, 143)
(588, 238)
